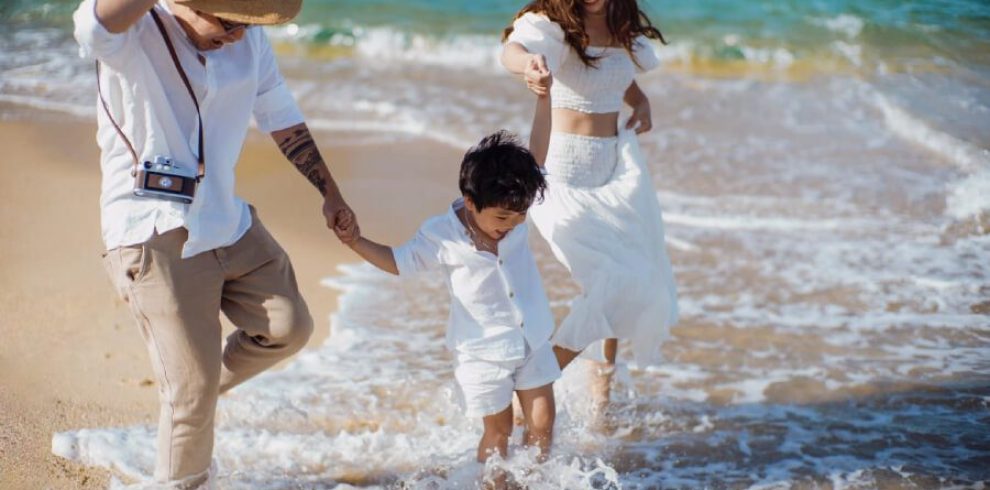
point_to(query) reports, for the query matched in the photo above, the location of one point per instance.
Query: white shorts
(487, 386)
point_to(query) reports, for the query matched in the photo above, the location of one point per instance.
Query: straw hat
(248, 11)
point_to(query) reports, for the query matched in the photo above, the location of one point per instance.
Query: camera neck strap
(201, 171)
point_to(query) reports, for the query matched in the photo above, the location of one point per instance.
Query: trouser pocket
(126, 266)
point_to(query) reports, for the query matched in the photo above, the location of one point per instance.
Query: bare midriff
(585, 124)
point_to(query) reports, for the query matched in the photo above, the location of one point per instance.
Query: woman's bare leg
(564, 356)
(601, 384)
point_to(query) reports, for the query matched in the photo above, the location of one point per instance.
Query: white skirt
(602, 219)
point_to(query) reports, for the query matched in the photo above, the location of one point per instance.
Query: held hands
(640, 118)
(537, 75)
(335, 211)
(346, 227)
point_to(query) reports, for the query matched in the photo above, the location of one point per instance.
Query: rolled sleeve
(419, 254)
(274, 107)
(95, 41)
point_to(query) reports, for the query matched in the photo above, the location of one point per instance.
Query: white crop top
(575, 85)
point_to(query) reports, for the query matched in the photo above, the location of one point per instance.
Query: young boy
(500, 321)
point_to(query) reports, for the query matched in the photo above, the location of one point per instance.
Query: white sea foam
(971, 195)
(847, 24)
(730, 222)
(850, 51)
(421, 129)
(47, 104)
(806, 251)
(960, 153)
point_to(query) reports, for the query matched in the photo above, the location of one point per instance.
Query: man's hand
(345, 224)
(299, 148)
(537, 75)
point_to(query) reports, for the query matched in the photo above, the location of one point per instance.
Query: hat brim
(263, 12)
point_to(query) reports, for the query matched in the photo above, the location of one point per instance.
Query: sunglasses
(231, 26)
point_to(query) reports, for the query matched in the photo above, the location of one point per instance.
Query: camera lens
(147, 164)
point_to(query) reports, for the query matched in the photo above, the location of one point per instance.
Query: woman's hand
(537, 75)
(641, 118)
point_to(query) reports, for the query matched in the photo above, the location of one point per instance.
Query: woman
(600, 213)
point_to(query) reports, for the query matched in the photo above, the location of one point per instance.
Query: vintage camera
(164, 179)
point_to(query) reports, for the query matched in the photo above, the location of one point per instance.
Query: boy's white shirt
(143, 90)
(498, 304)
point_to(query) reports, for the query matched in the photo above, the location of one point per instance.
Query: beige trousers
(177, 304)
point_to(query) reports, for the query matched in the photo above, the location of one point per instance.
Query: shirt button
(500, 262)
(511, 294)
(521, 323)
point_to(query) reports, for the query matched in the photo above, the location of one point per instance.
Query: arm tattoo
(301, 150)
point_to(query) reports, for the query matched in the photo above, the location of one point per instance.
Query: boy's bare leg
(498, 428)
(517, 413)
(495, 440)
(539, 410)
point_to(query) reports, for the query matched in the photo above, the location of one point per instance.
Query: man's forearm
(119, 15)
(298, 146)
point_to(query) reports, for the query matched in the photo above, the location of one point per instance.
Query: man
(180, 80)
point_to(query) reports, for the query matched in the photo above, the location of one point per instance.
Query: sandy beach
(72, 357)
(823, 169)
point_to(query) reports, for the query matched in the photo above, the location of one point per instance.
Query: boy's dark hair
(499, 171)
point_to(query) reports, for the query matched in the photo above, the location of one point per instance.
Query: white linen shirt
(149, 101)
(498, 304)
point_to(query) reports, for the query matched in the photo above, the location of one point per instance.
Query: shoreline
(72, 356)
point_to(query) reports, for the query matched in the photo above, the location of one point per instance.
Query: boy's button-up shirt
(149, 101)
(498, 304)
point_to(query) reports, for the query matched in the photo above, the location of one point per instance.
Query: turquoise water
(824, 172)
(955, 30)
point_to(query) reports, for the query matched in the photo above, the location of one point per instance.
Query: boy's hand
(346, 227)
(537, 75)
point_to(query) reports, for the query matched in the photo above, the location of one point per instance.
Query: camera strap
(185, 79)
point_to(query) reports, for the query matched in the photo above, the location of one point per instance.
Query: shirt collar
(509, 240)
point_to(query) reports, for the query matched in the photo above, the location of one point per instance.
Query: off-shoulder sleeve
(539, 34)
(646, 56)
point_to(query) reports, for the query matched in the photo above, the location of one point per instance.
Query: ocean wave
(48, 104)
(418, 129)
(387, 44)
(479, 51)
(847, 24)
(968, 197)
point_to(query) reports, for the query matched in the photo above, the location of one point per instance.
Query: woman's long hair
(625, 21)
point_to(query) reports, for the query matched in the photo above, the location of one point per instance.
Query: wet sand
(71, 356)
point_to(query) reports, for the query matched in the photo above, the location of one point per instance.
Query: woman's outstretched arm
(532, 66)
(539, 136)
